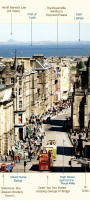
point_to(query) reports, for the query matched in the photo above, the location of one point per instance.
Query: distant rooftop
(39, 55)
(2, 86)
(2, 66)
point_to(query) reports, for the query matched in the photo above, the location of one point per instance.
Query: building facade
(6, 121)
(32, 83)
(81, 98)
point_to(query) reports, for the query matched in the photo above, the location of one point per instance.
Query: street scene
(54, 130)
(44, 99)
(44, 114)
(65, 156)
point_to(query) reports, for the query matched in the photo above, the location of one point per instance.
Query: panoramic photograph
(44, 114)
(44, 90)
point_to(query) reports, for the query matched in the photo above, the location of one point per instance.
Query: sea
(26, 50)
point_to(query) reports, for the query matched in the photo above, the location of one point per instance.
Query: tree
(81, 65)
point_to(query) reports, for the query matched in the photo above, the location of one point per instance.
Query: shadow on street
(59, 129)
(67, 169)
(56, 122)
(34, 167)
(58, 125)
(59, 169)
(67, 151)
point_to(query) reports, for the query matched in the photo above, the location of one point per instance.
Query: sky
(44, 32)
(44, 26)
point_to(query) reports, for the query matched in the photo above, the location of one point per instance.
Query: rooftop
(2, 66)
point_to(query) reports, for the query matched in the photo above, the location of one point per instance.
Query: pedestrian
(5, 158)
(70, 163)
(49, 153)
(9, 153)
(19, 159)
(25, 163)
(40, 144)
(11, 156)
(24, 155)
(34, 130)
(30, 155)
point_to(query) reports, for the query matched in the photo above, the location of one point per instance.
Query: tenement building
(45, 83)
(32, 83)
(81, 98)
(6, 120)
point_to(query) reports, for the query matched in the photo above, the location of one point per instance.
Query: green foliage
(73, 68)
(81, 65)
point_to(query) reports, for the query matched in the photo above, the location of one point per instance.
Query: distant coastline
(13, 42)
(46, 48)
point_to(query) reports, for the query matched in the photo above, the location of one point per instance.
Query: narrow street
(55, 130)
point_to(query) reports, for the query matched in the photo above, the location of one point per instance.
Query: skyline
(44, 32)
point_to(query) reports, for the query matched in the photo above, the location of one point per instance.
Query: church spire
(15, 61)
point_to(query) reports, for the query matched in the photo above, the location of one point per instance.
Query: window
(3, 80)
(38, 91)
(12, 80)
(20, 118)
(13, 94)
(20, 104)
(56, 81)
(20, 91)
(20, 81)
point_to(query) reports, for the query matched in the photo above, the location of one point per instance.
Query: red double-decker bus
(44, 161)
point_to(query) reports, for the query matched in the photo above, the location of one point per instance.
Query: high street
(55, 130)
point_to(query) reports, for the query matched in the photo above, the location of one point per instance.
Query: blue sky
(44, 32)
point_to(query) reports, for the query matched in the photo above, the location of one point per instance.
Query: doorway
(20, 133)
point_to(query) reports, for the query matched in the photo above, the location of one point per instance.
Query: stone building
(33, 89)
(12, 73)
(81, 98)
(6, 120)
(55, 63)
(25, 102)
(62, 78)
(45, 83)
